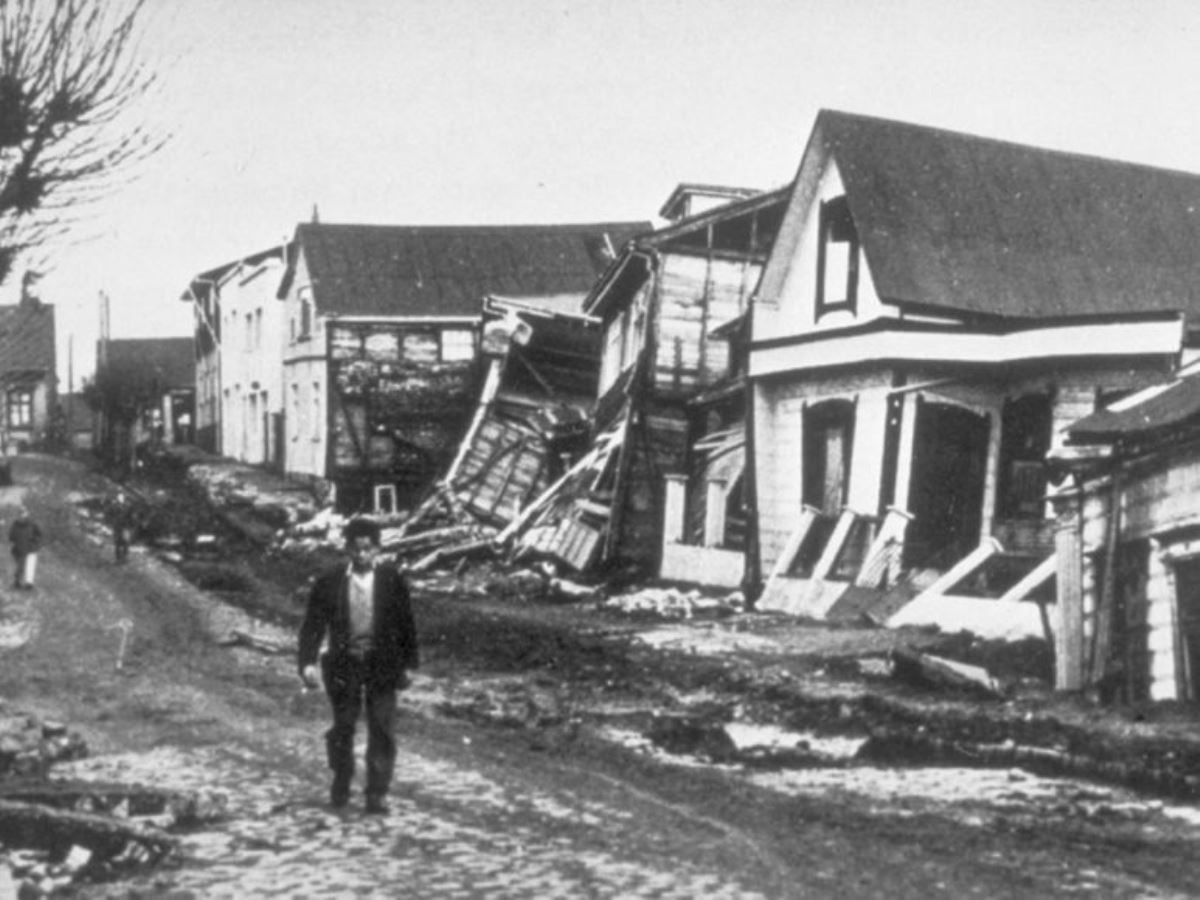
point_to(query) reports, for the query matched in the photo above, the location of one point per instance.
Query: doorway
(946, 496)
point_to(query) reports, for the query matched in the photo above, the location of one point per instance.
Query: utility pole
(70, 407)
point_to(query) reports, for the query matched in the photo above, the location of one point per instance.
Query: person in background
(26, 539)
(120, 515)
(364, 610)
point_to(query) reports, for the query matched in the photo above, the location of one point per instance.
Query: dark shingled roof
(26, 338)
(447, 270)
(203, 283)
(982, 226)
(173, 358)
(1160, 411)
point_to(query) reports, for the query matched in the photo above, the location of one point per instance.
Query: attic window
(305, 319)
(837, 258)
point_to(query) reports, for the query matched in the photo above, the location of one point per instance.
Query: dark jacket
(25, 536)
(395, 637)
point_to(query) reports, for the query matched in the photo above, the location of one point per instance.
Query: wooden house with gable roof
(936, 309)
(382, 365)
(27, 371)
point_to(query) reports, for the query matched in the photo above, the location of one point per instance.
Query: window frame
(836, 226)
(24, 404)
(471, 342)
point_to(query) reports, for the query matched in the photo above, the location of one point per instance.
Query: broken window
(837, 258)
(1024, 441)
(419, 347)
(458, 344)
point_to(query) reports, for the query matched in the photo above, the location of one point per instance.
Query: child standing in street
(26, 538)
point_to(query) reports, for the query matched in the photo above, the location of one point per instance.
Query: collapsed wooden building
(382, 364)
(1128, 547)
(669, 396)
(531, 421)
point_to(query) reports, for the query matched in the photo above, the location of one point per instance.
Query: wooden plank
(1068, 636)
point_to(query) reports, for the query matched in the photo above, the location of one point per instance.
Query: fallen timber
(895, 746)
(31, 825)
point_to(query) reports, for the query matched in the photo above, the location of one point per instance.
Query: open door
(946, 496)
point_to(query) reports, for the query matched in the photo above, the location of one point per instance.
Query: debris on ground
(927, 670)
(55, 832)
(29, 746)
(673, 603)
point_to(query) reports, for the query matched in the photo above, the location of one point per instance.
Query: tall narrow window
(318, 424)
(305, 319)
(827, 447)
(837, 258)
(295, 426)
(1025, 428)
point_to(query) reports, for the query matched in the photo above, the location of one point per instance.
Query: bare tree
(70, 71)
(122, 393)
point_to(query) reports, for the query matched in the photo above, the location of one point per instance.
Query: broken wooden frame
(1014, 609)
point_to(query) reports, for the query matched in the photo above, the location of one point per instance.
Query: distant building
(238, 348)
(142, 369)
(79, 421)
(27, 372)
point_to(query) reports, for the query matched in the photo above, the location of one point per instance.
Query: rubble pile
(29, 746)
(273, 501)
(55, 833)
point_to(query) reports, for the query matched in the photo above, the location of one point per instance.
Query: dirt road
(518, 775)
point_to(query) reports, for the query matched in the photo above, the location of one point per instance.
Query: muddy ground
(787, 755)
(484, 616)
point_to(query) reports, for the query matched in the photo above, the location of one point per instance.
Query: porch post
(674, 509)
(991, 474)
(904, 459)
(714, 512)
(1068, 627)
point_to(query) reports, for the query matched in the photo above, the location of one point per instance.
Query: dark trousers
(350, 688)
(121, 543)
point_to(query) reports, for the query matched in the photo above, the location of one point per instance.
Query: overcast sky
(489, 111)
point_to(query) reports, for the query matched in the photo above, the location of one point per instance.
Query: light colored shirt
(360, 594)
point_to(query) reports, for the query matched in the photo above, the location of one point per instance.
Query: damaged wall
(401, 397)
(694, 295)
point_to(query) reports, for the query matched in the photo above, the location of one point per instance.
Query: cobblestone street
(449, 833)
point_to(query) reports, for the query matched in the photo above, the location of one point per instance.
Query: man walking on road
(364, 608)
(25, 538)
